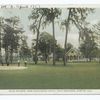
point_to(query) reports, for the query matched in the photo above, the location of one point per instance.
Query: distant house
(74, 55)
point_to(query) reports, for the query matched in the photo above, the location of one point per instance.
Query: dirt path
(12, 67)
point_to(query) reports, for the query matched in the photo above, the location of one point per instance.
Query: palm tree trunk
(65, 50)
(36, 50)
(0, 57)
(0, 49)
(53, 42)
(46, 60)
(46, 57)
(38, 32)
(6, 56)
(1, 21)
(11, 56)
(65, 46)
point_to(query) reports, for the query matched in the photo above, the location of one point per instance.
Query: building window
(72, 52)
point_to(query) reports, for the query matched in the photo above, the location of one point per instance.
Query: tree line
(12, 38)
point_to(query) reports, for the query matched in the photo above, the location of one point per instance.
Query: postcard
(49, 49)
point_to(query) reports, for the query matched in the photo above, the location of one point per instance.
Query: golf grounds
(46, 76)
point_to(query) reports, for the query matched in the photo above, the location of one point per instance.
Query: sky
(59, 34)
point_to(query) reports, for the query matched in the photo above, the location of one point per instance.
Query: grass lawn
(42, 76)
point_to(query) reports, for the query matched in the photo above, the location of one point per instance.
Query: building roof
(73, 51)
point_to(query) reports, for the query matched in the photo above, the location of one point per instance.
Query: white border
(49, 5)
(48, 91)
(50, 2)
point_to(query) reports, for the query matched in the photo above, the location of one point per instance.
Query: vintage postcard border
(49, 91)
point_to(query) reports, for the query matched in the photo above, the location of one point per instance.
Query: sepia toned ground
(42, 76)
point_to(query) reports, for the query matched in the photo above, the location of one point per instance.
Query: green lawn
(42, 76)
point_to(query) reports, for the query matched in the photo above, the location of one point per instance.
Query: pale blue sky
(60, 35)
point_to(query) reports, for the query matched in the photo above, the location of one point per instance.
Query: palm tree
(1, 26)
(50, 17)
(77, 17)
(37, 16)
(40, 17)
(66, 23)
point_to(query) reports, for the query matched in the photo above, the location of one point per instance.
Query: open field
(42, 76)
